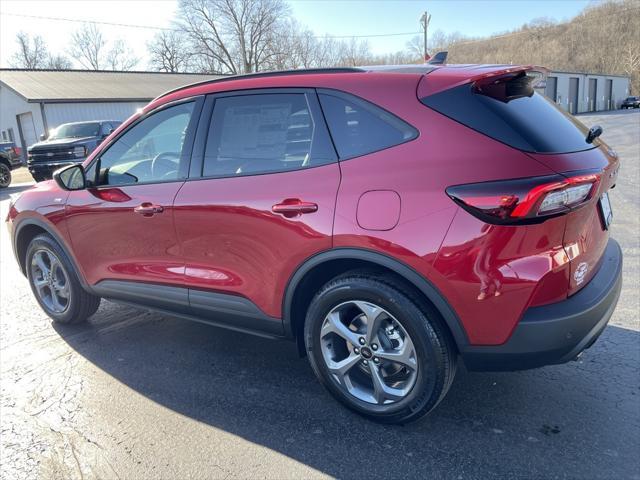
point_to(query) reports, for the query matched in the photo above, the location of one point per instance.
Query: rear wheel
(377, 349)
(55, 284)
(5, 176)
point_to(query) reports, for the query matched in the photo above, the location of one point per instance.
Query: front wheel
(5, 176)
(378, 349)
(55, 284)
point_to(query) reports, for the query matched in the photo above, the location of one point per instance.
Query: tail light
(527, 200)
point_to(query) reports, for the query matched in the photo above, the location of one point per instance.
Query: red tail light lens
(527, 200)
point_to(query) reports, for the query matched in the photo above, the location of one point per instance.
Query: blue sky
(324, 17)
(470, 17)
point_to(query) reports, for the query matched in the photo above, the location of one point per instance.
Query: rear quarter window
(531, 123)
(359, 127)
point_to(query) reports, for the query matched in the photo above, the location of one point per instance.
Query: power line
(150, 27)
(465, 42)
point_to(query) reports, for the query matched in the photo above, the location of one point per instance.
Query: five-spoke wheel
(50, 280)
(55, 283)
(378, 348)
(368, 352)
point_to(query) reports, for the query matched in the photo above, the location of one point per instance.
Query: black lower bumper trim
(559, 332)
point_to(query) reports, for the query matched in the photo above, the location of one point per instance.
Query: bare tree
(415, 47)
(168, 52)
(58, 62)
(355, 52)
(233, 36)
(32, 52)
(120, 57)
(90, 49)
(87, 47)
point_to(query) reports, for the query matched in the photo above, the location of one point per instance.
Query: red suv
(388, 220)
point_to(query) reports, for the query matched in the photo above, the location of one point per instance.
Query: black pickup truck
(9, 160)
(69, 143)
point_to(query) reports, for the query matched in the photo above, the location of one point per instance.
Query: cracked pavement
(134, 394)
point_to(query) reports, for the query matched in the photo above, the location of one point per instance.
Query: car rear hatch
(502, 102)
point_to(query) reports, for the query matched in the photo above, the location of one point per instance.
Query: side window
(262, 133)
(359, 127)
(148, 152)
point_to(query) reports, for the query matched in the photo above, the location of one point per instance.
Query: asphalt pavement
(133, 394)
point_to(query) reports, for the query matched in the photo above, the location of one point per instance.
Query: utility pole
(424, 21)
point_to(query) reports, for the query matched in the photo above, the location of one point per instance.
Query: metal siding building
(35, 101)
(586, 92)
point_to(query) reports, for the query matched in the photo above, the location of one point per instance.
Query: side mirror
(71, 177)
(43, 137)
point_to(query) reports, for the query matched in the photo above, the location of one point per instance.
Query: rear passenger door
(259, 200)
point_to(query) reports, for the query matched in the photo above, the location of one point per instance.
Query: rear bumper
(559, 332)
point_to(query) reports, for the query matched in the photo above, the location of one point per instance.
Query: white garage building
(586, 92)
(35, 101)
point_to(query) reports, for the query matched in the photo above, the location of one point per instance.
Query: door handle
(148, 209)
(294, 207)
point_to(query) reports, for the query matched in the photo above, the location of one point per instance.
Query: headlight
(80, 152)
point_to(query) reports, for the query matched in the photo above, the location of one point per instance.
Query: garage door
(608, 88)
(551, 90)
(27, 130)
(573, 95)
(593, 95)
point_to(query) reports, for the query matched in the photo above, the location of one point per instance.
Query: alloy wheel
(368, 353)
(50, 280)
(5, 176)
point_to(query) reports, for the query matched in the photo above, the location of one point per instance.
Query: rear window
(528, 122)
(359, 127)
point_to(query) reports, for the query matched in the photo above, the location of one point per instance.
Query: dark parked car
(389, 221)
(631, 102)
(67, 144)
(9, 160)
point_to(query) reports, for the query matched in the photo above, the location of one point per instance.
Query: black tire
(80, 304)
(435, 351)
(5, 175)
(38, 178)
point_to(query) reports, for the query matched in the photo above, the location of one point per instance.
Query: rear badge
(581, 272)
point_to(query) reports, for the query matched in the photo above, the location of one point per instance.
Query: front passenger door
(122, 226)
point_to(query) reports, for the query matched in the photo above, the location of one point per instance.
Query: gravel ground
(140, 395)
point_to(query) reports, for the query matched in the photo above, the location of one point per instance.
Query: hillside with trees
(604, 38)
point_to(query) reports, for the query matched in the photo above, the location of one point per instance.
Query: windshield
(75, 130)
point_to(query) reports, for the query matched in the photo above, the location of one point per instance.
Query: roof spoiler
(452, 76)
(439, 58)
